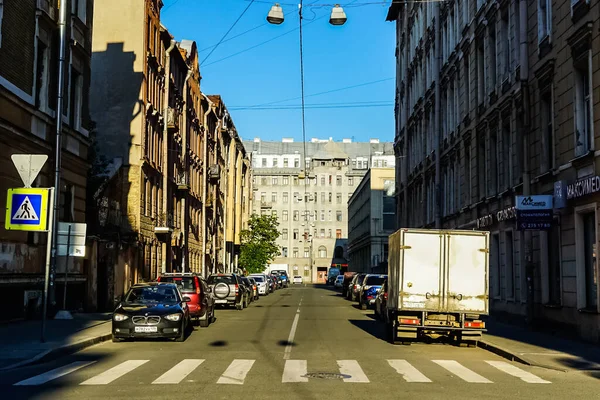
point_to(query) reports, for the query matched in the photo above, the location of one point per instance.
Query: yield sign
(29, 166)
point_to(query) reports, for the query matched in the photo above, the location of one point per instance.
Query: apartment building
(516, 113)
(371, 219)
(29, 44)
(309, 193)
(162, 207)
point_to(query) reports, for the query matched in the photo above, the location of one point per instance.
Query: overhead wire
(227, 33)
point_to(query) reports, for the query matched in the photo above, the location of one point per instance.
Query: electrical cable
(227, 33)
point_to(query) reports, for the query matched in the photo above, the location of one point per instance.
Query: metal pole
(67, 268)
(62, 26)
(436, 123)
(48, 260)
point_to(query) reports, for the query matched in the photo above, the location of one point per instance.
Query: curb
(61, 351)
(512, 356)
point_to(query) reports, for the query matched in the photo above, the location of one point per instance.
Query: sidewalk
(540, 349)
(20, 341)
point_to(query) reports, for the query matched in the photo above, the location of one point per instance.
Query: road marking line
(408, 372)
(236, 372)
(114, 373)
(294, 371)
(461, 371)
(288, 348)
(516, 372)
(352, 368)
(54, 374)
(178, 372)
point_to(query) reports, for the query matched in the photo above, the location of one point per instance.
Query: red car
(202, 303)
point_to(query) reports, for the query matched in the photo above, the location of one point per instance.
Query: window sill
(579, 10)
(553, 305)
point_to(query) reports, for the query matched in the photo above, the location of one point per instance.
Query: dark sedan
(151, 310)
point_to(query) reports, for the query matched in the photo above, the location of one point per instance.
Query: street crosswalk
(294, 371)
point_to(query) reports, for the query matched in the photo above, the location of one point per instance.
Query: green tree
(258, 243)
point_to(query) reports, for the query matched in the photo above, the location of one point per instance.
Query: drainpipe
(184, 209)
(205, 180)
(436, 117)
(165, 170)
(226, 205)
(524, 78)
(405, 123)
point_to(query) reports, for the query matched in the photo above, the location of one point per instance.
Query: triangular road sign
(25, 212)
(29, 166)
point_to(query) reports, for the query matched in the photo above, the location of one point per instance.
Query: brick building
(29, 45)
(516, 109)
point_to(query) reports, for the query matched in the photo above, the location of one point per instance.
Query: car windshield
(375, 280)
(228, 279)
(340, 278)
(185, 284)
(360, 279)
(152, 294)
(258, 278)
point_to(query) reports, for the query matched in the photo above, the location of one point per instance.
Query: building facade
(516, 115)
(371, 219)
(29, 44)
(162, 205)
(309, 193)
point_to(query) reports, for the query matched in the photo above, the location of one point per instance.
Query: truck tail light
(237, 289)
(198, 290)
(410, 321)
(475, 324)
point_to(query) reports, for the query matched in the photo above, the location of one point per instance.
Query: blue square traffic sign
(27, 209)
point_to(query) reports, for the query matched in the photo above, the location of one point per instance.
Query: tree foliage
(258, 243)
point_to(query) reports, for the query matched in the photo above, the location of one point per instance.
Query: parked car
(283, 275)
(381, 303)
(338, 281)
(297, 279)
(151, 310)
(356, 284)
(369, 289)
(278, 281)
(251, 288)
(229, 290)
(348, 277)
(202, 302)
(262, 283)
(272, 284)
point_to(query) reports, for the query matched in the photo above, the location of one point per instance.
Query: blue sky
(359, 52)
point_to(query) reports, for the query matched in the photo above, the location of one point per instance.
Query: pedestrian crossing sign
(27, 209)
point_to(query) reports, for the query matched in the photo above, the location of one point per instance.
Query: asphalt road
(299, 343)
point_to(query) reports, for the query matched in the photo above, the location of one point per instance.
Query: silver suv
(229, 290)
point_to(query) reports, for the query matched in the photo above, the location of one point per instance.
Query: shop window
(585, 239)
(509, 265)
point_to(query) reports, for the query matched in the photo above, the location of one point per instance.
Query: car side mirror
(186, 299)
(209, 290)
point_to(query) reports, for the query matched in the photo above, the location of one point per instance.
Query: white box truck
(437, 285)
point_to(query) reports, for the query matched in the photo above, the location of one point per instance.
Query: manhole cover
(326, 375)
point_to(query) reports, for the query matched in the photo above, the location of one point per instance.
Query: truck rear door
(421, 260)
(467, 272)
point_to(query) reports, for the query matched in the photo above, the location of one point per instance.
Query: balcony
(173, 119)
(214, 172)
(266, 204)
(182, 181)
(163, 224)
(48, 7)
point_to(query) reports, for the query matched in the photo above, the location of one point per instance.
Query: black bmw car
(151, 310)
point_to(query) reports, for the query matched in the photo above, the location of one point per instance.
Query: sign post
(70, 243)
(27, 210)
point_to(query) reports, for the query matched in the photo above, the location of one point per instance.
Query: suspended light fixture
(275, 15)
(338, 16)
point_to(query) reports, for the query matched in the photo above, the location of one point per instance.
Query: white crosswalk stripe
(114, 373)
(294, 371)
(353, 369)
(178, 372)
(54, 374)
(461, 371)
(516, 372)
(408, 372)
(236, 372)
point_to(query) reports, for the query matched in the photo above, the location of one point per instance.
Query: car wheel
(205, 322)
(239, 305)
(363, 306)
(181, 337)
(116, 339)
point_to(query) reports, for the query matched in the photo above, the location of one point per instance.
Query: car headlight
(173, 317)
(120, 317)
